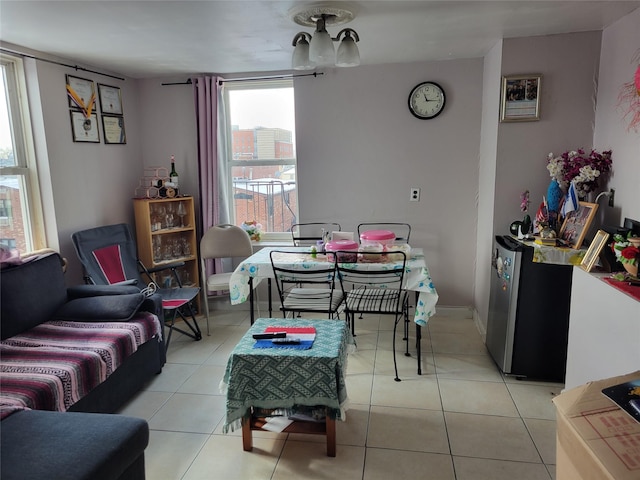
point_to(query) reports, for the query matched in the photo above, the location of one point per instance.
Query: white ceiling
(145, 38)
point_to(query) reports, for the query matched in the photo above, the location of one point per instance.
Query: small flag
(571, 200)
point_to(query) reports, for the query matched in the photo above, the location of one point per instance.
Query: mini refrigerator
(528, 322)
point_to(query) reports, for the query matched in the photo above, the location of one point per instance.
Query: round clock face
(426, 100)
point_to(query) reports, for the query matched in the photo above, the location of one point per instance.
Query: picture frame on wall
(81, 93)
(113, 126)
(84, 129)
(576, 224)
(593, 252)
(520, 98)
(110, 99)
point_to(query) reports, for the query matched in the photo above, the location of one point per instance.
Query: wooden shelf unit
(161, 241)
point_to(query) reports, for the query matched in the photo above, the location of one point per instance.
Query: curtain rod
(247, 79)
(60, 63)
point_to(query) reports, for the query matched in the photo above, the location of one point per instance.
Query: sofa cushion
(107, 308)
(41, 445)
(31, 293)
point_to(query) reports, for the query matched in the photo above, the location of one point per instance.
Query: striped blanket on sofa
(53, 365)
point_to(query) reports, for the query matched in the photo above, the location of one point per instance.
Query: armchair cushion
(81, 291)
(106, 308)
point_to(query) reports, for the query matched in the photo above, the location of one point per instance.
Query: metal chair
(224, 241)
(307, 234)
(305, 289)
(109, 257)
(376, 289)
(402, 230)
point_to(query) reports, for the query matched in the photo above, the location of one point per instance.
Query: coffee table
(287, 379)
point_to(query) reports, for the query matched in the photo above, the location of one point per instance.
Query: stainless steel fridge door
(505, 274)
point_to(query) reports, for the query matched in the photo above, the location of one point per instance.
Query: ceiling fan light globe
(348, 54)
(300, 59)
(321, 50)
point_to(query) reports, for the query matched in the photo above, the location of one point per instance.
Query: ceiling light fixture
(317, 50)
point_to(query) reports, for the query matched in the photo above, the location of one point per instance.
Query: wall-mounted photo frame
(113, 126)
(84, 129)
(599, 241)
(520, 99)
(81, 93)
(110, 99)
(576, 224)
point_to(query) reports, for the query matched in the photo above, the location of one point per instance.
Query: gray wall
(360, 151)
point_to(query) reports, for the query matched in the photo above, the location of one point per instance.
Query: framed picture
(599, 241)
(81, 93)
(113, 126)
(520, 98)
(110, 99)
(576, 224)
(84, 129)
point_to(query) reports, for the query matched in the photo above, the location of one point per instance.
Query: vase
(631, 269)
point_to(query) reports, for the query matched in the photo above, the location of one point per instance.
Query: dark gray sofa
(81, 443)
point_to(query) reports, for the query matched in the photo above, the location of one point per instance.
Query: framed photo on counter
(599, 241)
(520, 100)
(576, 224)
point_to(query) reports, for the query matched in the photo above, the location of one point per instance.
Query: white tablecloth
(258, 267)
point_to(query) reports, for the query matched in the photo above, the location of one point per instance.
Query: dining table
(256, 268)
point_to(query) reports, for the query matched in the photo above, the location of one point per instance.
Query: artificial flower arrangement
(580, 167)
(626, 249)
(253, 229)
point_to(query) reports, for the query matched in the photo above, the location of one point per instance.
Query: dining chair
(402, 230)
(375, 287)
(223, 241)
(109, 256)
(302, 288)
(307, 234)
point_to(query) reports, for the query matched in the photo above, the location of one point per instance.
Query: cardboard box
(596, 440)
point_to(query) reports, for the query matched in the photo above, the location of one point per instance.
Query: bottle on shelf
(173, 175)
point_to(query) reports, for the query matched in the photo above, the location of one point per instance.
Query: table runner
(273, 378)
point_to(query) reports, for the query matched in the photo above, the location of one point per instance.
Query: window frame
(24, 151)
(265, 84)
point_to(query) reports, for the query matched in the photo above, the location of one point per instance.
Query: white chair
(221, 242)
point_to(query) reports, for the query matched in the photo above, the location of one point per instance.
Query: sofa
(68, 358)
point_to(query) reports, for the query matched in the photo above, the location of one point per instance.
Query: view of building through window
(263, 164)
(15, 215)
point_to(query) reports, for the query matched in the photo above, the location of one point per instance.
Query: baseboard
(451, 311)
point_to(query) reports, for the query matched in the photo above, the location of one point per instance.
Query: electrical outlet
(414, 194)
(612, 194)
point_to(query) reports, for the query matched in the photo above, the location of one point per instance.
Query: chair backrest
(108, 254)
(402, 230)
(374, 270)
(289, 268)
(306, 234)
(225, 241)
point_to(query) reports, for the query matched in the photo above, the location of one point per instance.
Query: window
(261, 130)
(20, 217)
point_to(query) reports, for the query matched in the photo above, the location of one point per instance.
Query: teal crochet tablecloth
(282, 378)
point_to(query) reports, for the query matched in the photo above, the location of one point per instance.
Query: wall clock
(426, 100)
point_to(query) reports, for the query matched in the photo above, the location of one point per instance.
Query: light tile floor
(460, 420)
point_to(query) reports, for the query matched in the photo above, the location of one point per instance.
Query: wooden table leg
(331, 436)
(247, 436)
